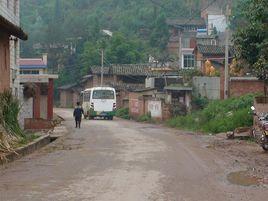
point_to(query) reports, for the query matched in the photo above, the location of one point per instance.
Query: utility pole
(226, 67)
(102, 57)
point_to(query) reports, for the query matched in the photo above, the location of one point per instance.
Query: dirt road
(126, 161)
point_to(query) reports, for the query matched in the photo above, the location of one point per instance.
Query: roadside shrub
(10, 131)
(122, 113)
(199, 102)
(145, 118)
(178, 109)
(218, 116)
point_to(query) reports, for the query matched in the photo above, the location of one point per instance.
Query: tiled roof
(213, 50)
(185, 21)
(32, 63)
(130, 70)
(96, 70)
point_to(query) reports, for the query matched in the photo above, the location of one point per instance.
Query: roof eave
(12, 29)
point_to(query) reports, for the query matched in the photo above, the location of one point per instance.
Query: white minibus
(99, 102)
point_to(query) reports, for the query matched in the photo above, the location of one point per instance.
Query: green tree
(124, 50)
(251, 41)
(159, 37)
(89, 57)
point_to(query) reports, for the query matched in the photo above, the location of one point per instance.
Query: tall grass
(10, 131)
(9, 111)
(218, 116)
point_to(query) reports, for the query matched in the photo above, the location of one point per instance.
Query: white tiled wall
(10, 10)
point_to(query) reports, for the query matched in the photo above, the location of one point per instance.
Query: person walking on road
(78, 111)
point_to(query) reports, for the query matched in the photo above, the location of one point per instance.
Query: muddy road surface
(127, 161)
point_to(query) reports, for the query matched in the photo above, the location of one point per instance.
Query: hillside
(70, 30)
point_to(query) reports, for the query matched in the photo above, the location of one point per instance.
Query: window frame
(187, 60)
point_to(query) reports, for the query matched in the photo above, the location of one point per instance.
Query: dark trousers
(77, 122)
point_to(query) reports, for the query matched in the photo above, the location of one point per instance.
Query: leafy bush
(145, 118)
(218, 116)
(199, 102)
(123, 113)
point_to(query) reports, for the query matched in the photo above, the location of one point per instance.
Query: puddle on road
(243, 178)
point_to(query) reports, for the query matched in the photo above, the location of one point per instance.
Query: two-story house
(10, 33)
(183, 40)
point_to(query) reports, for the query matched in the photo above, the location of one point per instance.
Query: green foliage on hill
(251, 36)
(218, 116)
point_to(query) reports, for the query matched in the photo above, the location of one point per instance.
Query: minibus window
(103, 94)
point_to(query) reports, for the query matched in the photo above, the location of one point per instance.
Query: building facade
(38, 94)
(182, 40)
(10, 33)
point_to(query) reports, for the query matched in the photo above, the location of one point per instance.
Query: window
(27, 72)
(188, 61)
(87, 96)
(8, 3)
(103, 94)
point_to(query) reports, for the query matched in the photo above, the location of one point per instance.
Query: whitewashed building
(10, 24)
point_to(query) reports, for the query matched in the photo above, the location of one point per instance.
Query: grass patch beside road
(218, 116)
(122, 113)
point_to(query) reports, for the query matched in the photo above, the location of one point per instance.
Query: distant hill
(69, 30)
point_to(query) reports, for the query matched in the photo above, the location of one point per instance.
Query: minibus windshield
(103, 94)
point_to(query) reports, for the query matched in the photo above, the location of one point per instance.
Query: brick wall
(241, 87)
(138, 105)
(66, 99)
(88, 84)
(134, 105)
(38, 124)
(4, 62)
(107, 79)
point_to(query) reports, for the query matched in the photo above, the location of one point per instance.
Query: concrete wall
(43, 106)
(155, 108)
(26, 110)
(207, 87)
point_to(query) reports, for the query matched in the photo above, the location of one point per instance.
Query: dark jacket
(78, 111)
